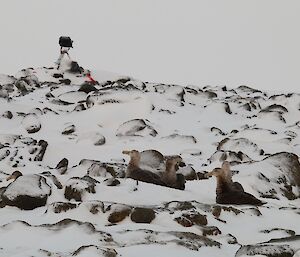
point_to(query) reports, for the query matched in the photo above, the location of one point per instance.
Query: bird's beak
(126, 152)
(179, 160)
(10, 177)
(208, 174)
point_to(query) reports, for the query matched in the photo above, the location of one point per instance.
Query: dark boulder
(59, 207)
(119, 213)
(69, 130)
(42, 147)
(87, 87)
(8, 115)
(77, 187)
(142, 215)
(210, 231)
(62, 166)
(75, 68)
(27, 192)
(65, 81)
(112, 182)
(191, 218)
(57, 75)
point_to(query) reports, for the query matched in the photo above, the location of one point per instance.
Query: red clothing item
(90, 78)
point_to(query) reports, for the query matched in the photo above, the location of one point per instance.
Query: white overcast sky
(198, 42)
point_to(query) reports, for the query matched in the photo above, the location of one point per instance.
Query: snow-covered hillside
(67, 136)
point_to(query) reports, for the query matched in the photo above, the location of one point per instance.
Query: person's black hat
(65, 41)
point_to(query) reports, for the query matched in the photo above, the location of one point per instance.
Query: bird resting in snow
(135, 172)
(229, 192)
(170, 177)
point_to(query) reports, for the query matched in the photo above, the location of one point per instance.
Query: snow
(27, 185)
(113, 110)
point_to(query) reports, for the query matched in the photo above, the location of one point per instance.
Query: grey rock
(136, 127)
(266, 249)
(41, 151)
(62, 166)
(118, 213)
(76, 187)
(31, 123)
(8, 115)
(142, 215)
(99, 139)
(112, 182)
(87, 87)
(69, 130)
(27, 192)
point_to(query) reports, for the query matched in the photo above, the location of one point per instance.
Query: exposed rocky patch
(118, 213)
(62, 166)
(97, 169)
(283, 175)
(137, 127)
(275, 108)
(87, 88)
(76, 187)
(184, 138)
(266, 250)
(59, 207)
(69, 129)
(16, 149)
(191, 218)
(42, 147)
(93, 250)
(234, 157)
(7, 114)
(112, 182)
(242, 145)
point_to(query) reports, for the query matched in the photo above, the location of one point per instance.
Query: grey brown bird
(169, 177)
(229, 192)
(135, 172)
(14, 175)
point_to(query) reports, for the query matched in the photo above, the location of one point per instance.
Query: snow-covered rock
(137, 127)
(31, 123)
(27, 192)
(76, 187)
